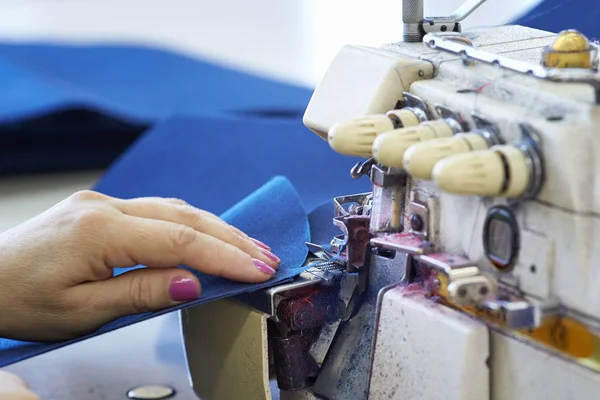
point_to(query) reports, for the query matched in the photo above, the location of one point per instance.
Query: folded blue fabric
(66, 107)
(275, 203)
(558, 15)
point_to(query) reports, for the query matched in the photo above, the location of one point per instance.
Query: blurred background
(291, 40)
(287, 40)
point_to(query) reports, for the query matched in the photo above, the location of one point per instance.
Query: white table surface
(292, 40)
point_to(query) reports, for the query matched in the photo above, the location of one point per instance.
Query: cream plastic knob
(420, 159)
(355, 137)
(499, 171)
(389, 147)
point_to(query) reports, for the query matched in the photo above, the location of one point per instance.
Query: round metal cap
(151, 392)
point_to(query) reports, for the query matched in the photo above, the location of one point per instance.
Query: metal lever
(463, 11)
(416, 25)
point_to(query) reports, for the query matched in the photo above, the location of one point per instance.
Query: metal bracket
(415, 24)
(362, 168)
(556, 75)
(466, 285)
(417, 106)
(361, 200)
(454, 119)
(268, 300)
(512, 314)
(462, 12)
(487, 129)
(404, 242)
(418, 219)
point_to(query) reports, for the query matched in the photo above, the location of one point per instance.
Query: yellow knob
(498, 171)
(355, 137)
(420, 159)
(570, 49)
(389, 147)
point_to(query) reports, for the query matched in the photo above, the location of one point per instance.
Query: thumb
(14, 388)
(144, 290)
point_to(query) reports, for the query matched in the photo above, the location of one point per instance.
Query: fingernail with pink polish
(264, 268)
(271, 256)
(260, 244)
(183, 289)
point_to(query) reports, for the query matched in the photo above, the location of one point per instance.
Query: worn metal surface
(346, 370)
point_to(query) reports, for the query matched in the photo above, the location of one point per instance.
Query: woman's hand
(56, 270)
(14, 388)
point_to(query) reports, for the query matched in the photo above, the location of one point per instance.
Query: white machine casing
(481, 260)
(433, 352)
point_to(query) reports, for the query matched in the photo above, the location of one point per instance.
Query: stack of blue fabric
(172, 126)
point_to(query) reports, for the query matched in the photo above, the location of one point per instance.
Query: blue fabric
(321, 225)
(66, 107)
(558, 15)
(131, 82)
(276, 202)
(214, 163)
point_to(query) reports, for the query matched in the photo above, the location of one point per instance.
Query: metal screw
(421, 73)
(416, 222)
(462, 292)
(532, 269)
(483, 290)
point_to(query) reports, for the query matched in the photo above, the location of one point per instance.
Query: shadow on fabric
(73, 107)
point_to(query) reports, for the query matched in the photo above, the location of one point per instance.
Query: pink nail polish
(262, 267)
(271, 256)
(260, 244)
(183, 289)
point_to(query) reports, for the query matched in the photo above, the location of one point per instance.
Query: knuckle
(177, 202)
(237, 239)
(194, 217)
(227, 259)
(181, 237)
(139, 297)
(209, 215)
(191, 214)
(84, 195)
(239, 232)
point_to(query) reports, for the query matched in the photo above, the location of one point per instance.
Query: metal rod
(413, 15)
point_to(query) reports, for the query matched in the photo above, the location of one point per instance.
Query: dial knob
(498, 171)
(570, 49)
(355, 137)
(420, 159)
(388, 149)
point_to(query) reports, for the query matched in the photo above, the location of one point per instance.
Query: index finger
(157, 243)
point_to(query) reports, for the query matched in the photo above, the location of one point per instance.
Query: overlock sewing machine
(469, 271)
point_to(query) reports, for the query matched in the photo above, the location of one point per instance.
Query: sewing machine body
(431, 293)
